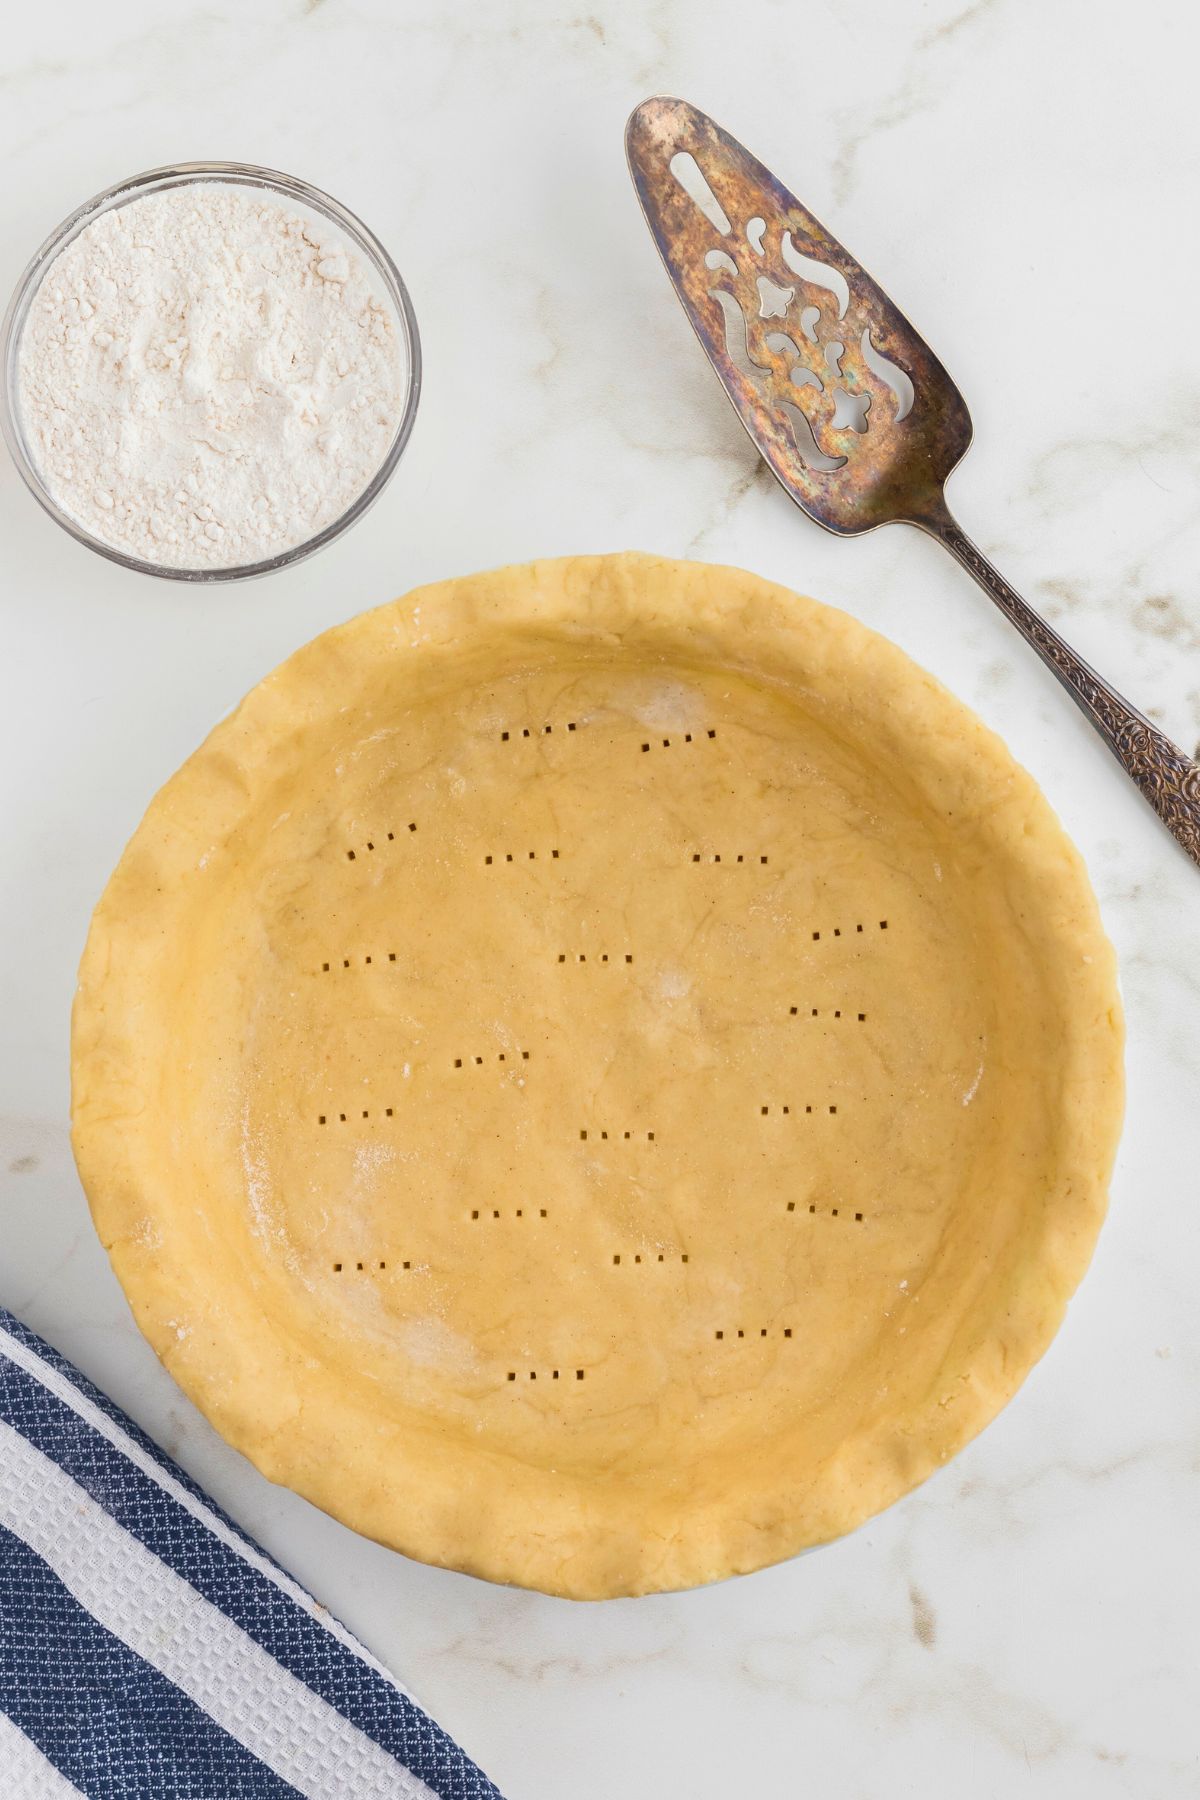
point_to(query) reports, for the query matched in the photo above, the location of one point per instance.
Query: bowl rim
(171, 175)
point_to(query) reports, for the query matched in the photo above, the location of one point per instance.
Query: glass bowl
(386, 279)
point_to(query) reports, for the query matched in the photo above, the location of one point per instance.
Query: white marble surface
(1026, 1623)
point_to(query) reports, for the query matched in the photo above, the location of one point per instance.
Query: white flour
(208, 378)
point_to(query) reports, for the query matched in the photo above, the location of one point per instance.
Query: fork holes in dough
(352, 855)
(833, 1212)
(686, 737)
(727, 856)
(836, 1012)
(766, 1111)
(836, 931)
(508, 856)
(639, 1256)
(519, 1212)
(550, 1375)
(590, 1132)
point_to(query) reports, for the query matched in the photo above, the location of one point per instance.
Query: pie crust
(601, 1074)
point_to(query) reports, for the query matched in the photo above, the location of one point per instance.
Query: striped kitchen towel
(148, 1648)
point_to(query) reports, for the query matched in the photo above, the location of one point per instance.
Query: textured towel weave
(148, 1648)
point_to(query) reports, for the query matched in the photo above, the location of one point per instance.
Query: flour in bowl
(208, 378)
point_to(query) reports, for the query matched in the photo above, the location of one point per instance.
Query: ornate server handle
(1168, 779)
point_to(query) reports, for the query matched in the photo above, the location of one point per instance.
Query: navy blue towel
(148, 1648)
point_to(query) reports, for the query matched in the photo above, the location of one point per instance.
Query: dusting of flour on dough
(369, 1159)
(258, 1183)
(430, 1344)
(671, 707)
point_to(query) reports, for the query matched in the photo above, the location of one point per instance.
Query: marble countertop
(1026, 1623)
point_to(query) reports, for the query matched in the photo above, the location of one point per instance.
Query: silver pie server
(851, 410)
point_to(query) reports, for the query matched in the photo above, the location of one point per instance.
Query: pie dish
(601, 1074)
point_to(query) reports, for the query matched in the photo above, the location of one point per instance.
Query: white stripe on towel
(27, 1774)
(162, 1618)
(98, 1419)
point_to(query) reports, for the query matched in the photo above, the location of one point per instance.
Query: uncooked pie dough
(601, 1074)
